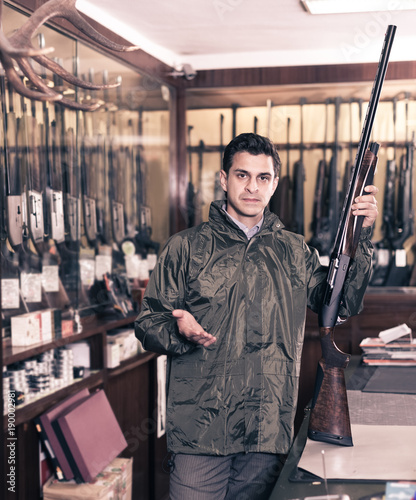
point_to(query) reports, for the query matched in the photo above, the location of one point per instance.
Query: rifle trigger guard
(340, 321)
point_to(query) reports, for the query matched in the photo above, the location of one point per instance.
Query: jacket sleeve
(356, 282)
(358, 276)
(155, 326)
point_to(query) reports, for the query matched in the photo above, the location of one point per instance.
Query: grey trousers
(242, 476)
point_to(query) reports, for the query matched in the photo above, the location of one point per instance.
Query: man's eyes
(263, 178)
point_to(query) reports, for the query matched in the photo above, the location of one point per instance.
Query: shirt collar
(248, 232)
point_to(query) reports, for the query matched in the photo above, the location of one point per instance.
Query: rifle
(399, 271)
(51, 158)
(89, 167)
(115, 172)
(349, 164)
(199, 200)
(9, 257)
(14, 204)
(319, 217)
(142, 239)
(28, 133)
(329, 418)
(11, 207)
(269, 106)
(280, 202)
(234, 122)
(190, 194)
(218, 191)
(382, 255)
(298, 181)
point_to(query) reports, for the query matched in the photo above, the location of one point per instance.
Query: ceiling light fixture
(350, 6)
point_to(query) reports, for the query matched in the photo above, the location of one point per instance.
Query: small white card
(31, 286)
(10, 293)
(50, 278)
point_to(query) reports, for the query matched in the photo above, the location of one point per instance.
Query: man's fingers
(190, 328)
(177, 313)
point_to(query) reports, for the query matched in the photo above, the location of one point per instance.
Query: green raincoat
(239, 394)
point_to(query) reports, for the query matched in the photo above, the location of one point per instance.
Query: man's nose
(252, 185)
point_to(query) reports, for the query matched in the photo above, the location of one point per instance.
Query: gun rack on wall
(324, 137)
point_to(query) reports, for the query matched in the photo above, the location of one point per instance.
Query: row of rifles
(68, 191)
(390, 262)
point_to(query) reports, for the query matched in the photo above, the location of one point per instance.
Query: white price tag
(10, 293)
(103, 265)
(31, 286)
(400, 257)
(50, 278)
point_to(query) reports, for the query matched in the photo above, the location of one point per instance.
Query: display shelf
(28, 411)
(90, 326)
(131, 363)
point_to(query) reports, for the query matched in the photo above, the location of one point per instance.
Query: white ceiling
(215, 34)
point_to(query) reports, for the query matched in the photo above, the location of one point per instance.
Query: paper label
(87, 271)
(400, 257)
(10, 294)
(103, 265)
(50, 278)
(31, 286)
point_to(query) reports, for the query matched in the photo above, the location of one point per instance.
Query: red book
(92, 434)
(54, 448)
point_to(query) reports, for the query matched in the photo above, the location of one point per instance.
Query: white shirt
(248, 232)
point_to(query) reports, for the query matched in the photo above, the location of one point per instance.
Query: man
(227, 303)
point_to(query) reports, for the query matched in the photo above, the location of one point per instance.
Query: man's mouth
(250, 199)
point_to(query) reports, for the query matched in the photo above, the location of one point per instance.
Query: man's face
(249, 184)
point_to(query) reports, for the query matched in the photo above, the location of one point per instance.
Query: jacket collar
(218, 216)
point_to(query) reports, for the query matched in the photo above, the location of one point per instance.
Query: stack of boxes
(39, 326)
(121, 345)
(39, 375)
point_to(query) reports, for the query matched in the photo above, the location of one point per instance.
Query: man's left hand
(366, 205)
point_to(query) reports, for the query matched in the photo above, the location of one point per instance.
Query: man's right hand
(191, 329)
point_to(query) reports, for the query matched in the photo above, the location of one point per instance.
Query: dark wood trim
(178, 176)
(291, 75)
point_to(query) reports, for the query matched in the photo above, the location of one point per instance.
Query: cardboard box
(67, 328)
(113, 355)
(46, 325)
(45, 427)
(129, 344)
(113, 483)
(92, 434)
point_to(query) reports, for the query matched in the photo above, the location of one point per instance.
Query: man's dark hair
(255, 145)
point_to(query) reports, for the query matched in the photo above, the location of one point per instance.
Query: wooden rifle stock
(329, 419)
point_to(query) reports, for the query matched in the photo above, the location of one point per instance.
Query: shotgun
(281, 201)
(332, 195)
(349, 164)
(218, 191)
(10, 259)
(28, 137)
(319, 217)
(143, 237)
(383, 252)
(15, 202)
(399, 270)
(190, 194)
(298, 182)
(234, 122)
(329, 418)
(199, 199)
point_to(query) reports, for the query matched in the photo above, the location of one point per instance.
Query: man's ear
(223, 180)
(275, 183)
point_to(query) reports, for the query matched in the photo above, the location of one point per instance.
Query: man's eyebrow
(242, 171)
